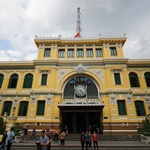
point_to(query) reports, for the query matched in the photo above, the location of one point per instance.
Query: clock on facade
(80, 90)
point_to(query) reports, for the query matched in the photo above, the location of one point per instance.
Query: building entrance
(81, 121)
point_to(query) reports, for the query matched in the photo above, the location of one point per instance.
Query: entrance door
(81, 121)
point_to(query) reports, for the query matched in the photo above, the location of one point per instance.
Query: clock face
(80, 90)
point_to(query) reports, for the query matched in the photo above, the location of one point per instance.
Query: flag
(77, 35)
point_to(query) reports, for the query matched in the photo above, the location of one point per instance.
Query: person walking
(43, 142)
(82, 140)
(49, 135)
(62, 139)
(11, 137)
(3, 141)
(95, 139)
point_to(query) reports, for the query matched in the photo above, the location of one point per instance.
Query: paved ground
(75, 145)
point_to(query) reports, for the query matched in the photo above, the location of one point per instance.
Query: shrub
(2, 126)
(145, 128)
(18, 128)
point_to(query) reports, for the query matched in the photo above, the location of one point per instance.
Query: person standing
(90, 139)
(56, 135)
(62, 139)
(11, 137)
(82, 140)
(25, 134)
(43, 142)
(95, 139)
(49, 135)
(87, 140)
(3, 141)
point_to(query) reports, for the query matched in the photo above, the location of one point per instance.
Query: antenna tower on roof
(78, 28)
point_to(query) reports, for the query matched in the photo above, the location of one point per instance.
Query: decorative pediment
(48, 99)
(15, 101)
(129, 98)
(147, 99)
(33, 98)
(80, 68)
(112, 98)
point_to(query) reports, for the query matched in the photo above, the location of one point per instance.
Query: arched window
(23, 109)
(147, 78)
(7, 108)
(140, 110)
(13, 81)
(1, 79)
(134, 81)
(28, 81)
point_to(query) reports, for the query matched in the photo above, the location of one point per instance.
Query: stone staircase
(76, 137)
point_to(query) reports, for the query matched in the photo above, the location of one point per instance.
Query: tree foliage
(145, 128)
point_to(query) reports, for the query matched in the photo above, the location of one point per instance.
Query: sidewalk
(106, 144)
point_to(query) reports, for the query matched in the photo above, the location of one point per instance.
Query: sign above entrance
(77, 80)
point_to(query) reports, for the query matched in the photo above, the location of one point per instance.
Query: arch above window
(28, 81)
(134, 81)
(13, 81)
(1, 79)
(147, 78)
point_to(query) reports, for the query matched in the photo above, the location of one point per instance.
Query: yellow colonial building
(79, 82)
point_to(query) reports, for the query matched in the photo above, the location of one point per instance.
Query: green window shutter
(121, 107)
(117, 78)
(7, 108)
(44, 79)
(23, 109)
(139, 106)
(1, 79)
(147, 79)
(40, 108)
(13, 81)
(134, 81)
(113, 51)
(28, 81)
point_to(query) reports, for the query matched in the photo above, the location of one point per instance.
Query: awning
(80, 106)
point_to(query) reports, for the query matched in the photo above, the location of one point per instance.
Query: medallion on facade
(33, 99)
(129, 98)
(112, 99)
(80, 68)
(147, 100)
(15, 102)
(48, 99)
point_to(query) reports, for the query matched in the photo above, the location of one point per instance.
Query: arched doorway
(81, 109)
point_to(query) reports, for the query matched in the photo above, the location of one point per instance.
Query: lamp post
(5, 115)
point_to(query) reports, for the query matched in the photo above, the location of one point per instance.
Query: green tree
(18, 128)
(145, 128)
(2, 125)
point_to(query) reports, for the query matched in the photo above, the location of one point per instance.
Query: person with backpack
(11, 138)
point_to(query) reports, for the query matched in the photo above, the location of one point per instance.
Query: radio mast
(78, 28)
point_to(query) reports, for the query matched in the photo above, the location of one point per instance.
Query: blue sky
(21, 20)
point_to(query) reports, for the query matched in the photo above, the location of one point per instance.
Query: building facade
(79, 82)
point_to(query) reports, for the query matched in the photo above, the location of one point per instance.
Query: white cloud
(25, 18)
